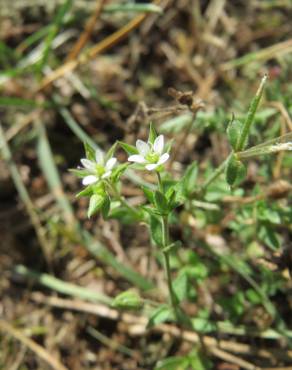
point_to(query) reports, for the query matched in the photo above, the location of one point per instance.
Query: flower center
(152, 157)
(100, 170)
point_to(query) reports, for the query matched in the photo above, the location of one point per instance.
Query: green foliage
(233, 132)
(129, 149)
(129, 300)
(235, 171)
(162, 314)
(152, 133)
(95, 204)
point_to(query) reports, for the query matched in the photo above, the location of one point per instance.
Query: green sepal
(95, 204)
(233, 132)
(129, 300)
(111, 152)
(118, 171)
(85, 192)
(89, 151)
(79, 173)
(152, 134)
(168, 145)
(129, 149)
(106, 205)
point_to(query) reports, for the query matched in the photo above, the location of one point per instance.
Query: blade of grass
(273, 51)
(61, 286)
(74, 127)
(55, 26)
(21, 102)
(104, 255)
(51, 174)
(23, 193)
(100, 47)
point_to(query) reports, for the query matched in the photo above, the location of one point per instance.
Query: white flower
(150, 154)
(98, 169)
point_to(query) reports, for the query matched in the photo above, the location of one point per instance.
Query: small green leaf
(180, 286)
(235, 171)
(130, 149)
(173, 363)
(161, 202)
(152, 133)
(269, 236)
(149, 194)
(156, 230)
(89, 151)
(189, 179)
(203, 325)
(233, 132)
(95, 204)
(160, 315)
(129, 300)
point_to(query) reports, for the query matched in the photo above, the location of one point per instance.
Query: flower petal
(163, 158)
(143, 148)
(89, 165)
(106, 174)
(151, 166)
(158, 144)
(89, 180)
(137, 158)
(110, 163)
(99, 157)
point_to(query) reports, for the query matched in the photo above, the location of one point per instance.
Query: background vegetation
(100, 71)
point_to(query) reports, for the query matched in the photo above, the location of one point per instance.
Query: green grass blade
(51, 174)
(104, 255)
(61, 286)
(55, 26)
(21, 102)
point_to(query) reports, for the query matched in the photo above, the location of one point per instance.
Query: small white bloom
(150, 154)
(97, 170)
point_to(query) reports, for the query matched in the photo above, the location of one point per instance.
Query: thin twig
(33, 346)
(138, 326)
(84, 37)
(100, 47)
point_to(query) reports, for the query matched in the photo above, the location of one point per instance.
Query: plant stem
(122, 200)
(165, 242)
(219, 170)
